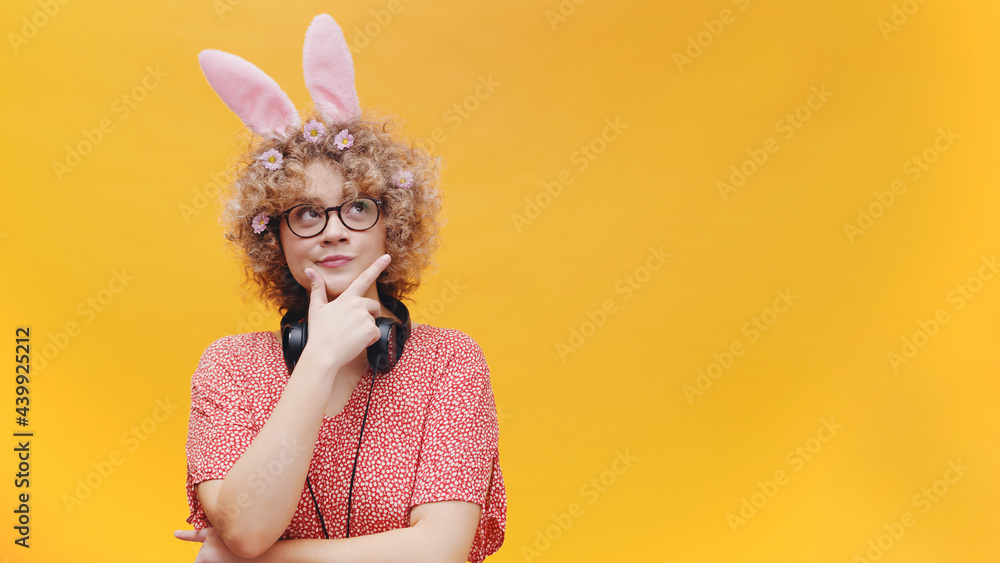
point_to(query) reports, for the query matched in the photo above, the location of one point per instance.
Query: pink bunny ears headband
(261, 104)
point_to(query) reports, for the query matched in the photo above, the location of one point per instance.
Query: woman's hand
(341, 329)
(213, 549)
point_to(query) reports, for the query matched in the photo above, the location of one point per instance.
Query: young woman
(344, 455)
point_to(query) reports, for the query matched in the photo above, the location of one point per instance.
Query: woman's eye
(359, 206)
(308, 213)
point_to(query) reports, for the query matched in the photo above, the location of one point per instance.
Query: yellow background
(566, 416)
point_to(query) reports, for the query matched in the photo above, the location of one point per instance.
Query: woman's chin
(335, 284)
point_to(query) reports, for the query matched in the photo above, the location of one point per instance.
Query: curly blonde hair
(369, 165)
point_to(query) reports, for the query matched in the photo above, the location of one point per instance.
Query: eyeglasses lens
(309, 220)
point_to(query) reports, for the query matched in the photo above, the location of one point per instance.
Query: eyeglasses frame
(326, 221)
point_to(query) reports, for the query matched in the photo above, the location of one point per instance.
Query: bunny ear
(252, 95)
(329, 71)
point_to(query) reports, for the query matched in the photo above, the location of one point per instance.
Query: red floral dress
(431, 435)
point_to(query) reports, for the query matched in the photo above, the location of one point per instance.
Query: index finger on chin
(368, 277)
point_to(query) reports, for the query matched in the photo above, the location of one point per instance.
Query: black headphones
(382, 356)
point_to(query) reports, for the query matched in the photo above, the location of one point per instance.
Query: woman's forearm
(393, 545)
(256, 502)
(403, 545)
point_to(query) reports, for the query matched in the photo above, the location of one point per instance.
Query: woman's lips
(334, 261)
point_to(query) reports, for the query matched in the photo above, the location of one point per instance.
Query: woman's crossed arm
(439, 532)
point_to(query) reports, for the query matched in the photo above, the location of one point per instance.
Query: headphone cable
(350, 490)
(316, 504)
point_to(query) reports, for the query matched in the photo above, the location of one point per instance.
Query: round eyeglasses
(307, 220)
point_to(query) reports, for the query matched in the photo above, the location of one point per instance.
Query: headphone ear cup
(383, 354)
(379, 357)
(293, 341)
(398, 341)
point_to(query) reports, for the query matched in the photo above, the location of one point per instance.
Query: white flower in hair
(344, 140)
(314, 131)
(271, 159)
(403, 179)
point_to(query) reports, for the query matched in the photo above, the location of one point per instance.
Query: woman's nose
(335, 228)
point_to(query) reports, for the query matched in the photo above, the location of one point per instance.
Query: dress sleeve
(220, 426)
(459, 457)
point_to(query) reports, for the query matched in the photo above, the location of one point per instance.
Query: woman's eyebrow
(311, 200)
